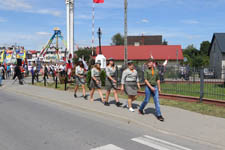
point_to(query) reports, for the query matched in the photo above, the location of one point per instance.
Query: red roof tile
(159, 52)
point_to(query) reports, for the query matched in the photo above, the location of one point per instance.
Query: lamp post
(99, 37)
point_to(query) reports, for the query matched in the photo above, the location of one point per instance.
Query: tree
(204, 49)
(192, 53)
(165, 42)
(117, 39)
(196, 58)
(83, 53)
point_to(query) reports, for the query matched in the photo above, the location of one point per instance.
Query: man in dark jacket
(18, 74)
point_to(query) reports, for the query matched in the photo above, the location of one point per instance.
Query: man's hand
(159, 90)
(152, 89)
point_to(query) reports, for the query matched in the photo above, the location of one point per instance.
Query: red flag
(98, 1)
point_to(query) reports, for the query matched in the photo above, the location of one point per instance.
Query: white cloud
(43, 33)
(23, 6)
(145, 21)
(85, 17)
(190, 21)
(14, 4)
(2, 19)
(49, 12)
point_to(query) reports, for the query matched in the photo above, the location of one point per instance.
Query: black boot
(75, 95)
(118, 104)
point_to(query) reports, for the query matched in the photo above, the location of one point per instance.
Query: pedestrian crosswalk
(148, 141)
(108, 147)
(158, 143)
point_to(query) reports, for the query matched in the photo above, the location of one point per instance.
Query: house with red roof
(141, 54)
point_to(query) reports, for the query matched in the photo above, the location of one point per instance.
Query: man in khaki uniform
(152, 88)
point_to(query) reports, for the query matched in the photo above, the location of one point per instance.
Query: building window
(137, 44)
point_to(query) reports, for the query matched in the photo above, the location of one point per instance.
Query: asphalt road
(28, 123)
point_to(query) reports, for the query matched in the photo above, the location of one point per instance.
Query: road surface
(29, 123)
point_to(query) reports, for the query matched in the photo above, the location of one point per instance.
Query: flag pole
(125, 32)
(93, 28)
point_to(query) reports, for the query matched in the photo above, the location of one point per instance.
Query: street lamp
(99, 37)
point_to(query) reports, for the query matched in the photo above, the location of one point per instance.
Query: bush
(88, 78)
(102, 77)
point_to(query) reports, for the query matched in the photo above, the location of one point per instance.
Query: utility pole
(125, 32)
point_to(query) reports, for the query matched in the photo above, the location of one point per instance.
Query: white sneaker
(131, 109)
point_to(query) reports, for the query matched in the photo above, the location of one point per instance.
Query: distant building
(141, 54)
(145, 40)
(217, 54)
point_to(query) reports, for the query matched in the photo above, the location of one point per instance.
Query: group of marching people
(129, 84)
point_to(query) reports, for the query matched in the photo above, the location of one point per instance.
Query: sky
(181, 22)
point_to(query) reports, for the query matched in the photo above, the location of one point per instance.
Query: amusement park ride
(56, 36)
(69, 45)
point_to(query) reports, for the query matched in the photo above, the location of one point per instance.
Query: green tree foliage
(117, 39)
(165, 42)
(83, 53)
(204, 49)
(195, 57)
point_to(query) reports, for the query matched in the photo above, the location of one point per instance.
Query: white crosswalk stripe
(158, 143)
(108, 147)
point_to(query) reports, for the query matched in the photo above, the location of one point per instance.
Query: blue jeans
(155, 95)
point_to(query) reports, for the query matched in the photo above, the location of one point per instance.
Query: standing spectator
(18, 74)
(33, 72)
(80, 72)
(111, 83)
(1, 74)
(130, 84)
(8, 70)
(12, 69)
(96, 81)
(45, 71)
(69, 69)
(152, 82)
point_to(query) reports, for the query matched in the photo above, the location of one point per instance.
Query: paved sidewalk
(182, 123)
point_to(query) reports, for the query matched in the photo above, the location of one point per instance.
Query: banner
(98, 1)
(2, 56)
(8, 56)
(21, 54)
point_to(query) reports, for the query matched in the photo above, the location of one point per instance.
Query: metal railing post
(56, 82)
(65, 88)
(201, 84)
(44, 80)
(32, 80)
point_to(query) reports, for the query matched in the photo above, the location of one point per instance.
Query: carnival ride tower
(70, 27)
(50, 45)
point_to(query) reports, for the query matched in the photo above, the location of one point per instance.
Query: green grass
(207, 109)
(211, 91)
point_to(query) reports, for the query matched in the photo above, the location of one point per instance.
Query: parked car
(209, 73)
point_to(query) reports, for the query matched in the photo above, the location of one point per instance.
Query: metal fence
(186, 81)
